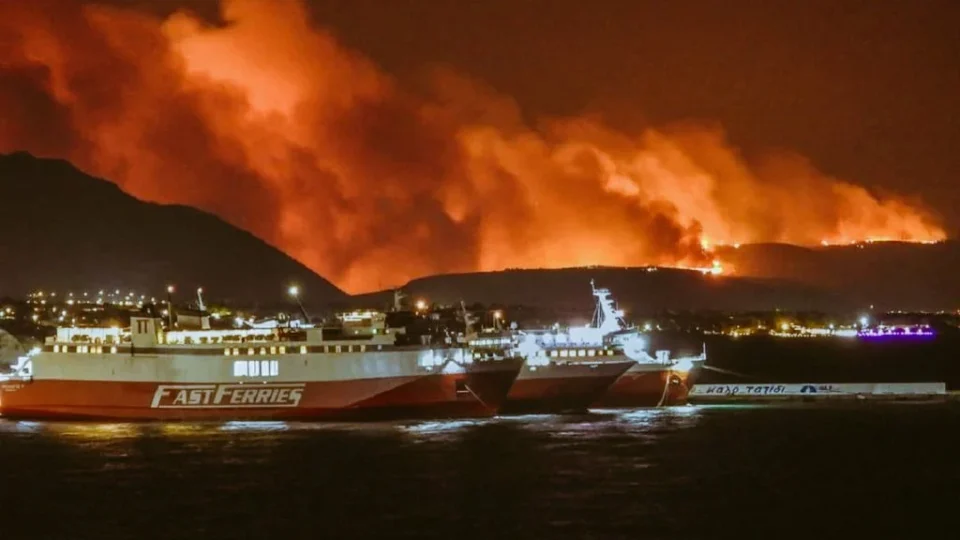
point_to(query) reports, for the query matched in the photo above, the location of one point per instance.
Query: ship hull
(646, 388)
(562, 388)
(472, 391)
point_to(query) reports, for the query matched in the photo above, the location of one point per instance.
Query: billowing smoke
(271, 124)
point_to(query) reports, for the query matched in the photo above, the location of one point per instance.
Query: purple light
(894, 333)
(894, 337)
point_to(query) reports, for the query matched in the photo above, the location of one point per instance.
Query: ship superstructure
(355, 372)
(646, 380)
(547, 384)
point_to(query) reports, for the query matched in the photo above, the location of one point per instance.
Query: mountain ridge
(102, 237)
(56, 215)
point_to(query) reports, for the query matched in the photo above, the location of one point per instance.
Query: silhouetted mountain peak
(66, 230)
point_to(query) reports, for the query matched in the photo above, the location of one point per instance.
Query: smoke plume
(271, 124)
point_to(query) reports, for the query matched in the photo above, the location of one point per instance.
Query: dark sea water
(693, 472)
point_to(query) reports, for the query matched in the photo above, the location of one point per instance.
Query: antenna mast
(398, 297)
(606, 317)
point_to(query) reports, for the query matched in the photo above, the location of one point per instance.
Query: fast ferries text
(212, 396)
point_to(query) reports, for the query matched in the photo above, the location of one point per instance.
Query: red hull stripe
(645, 389)
(562, 388)
(469, 394)
(532, 396)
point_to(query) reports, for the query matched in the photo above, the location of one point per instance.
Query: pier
(775, 392)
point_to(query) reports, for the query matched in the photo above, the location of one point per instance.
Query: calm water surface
(691, 472)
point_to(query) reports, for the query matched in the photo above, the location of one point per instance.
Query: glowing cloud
(271, 124)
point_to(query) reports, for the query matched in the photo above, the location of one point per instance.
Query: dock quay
(774, 392)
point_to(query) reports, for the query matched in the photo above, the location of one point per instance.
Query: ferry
(552, 386)
(154, 371)
(608, 349)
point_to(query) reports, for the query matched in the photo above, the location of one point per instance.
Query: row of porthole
(490, 342)
(84, 349)
(494, 356)
(564, 353)
(251, 351)
(98, 349)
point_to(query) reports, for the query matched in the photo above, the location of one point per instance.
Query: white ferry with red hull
(148, 373)
(607, 345)
(546, 385)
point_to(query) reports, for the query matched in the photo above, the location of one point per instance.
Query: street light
(421, 305)
(170, 289)
(294, 291)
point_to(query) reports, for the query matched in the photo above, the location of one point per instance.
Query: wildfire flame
(273, 125)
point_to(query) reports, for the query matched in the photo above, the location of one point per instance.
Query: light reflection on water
(259, 426)
(442, 427)
(559, 425)
(684, 472)
(79, 430)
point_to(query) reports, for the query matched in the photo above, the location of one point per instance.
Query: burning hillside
(270, 123)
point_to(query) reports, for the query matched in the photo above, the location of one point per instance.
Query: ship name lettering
(227, 396)
(193, 397)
